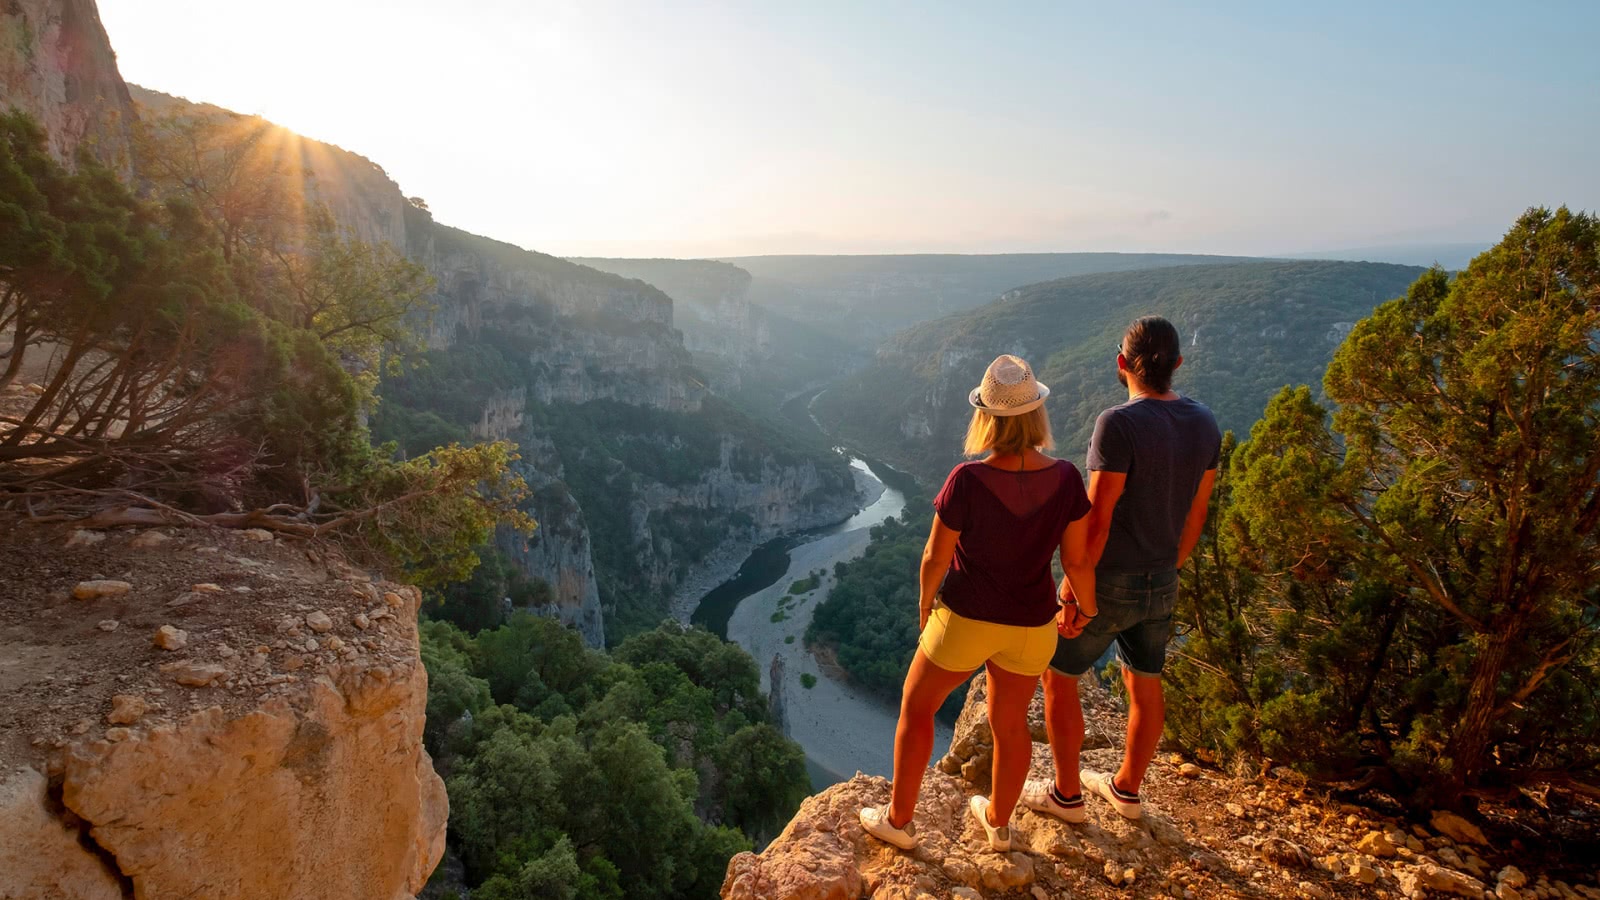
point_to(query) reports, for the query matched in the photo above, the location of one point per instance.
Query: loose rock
(1376, 844)
(145, 540)
(256, 534)
(192, 674)
(205, 588)
(319, 622)
(1457, 828)
(1189, 770)
(83, 538)
(170, 638)
(126, 709)
(96, 589)
(108, 625)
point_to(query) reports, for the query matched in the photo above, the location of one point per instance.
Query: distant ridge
(1453, 256)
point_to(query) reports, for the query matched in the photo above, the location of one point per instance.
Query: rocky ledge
(1205, 834)
(209, 714)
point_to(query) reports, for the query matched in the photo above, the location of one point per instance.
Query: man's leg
(1063, 721)
(1147, 715)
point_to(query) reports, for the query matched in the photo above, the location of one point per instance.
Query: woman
(997, 523)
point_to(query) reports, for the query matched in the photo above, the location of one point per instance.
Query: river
(841, 729)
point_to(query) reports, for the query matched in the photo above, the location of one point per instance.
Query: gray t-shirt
(1164, 446)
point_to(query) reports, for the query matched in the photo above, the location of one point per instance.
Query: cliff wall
(56, 64)
(229, 718)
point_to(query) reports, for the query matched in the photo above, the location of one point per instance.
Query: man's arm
(1105, 488)
(936, 556)
(1196, 520)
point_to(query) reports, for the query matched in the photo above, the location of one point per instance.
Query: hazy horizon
(616, 129)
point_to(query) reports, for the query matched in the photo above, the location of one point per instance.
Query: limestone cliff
(56, 64)
(228, 718)
(723, 331)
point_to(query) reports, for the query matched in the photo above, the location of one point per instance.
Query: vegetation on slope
(206, 358)
(1406, 589)
(579, 775)
(1248, 330)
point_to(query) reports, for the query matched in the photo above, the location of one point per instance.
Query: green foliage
(477, 602)
(808, 680)
(1411, 582)
(646, 768)
(806, 585)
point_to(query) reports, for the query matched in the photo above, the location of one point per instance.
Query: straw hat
(1008, 388)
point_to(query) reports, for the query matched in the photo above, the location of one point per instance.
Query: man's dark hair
(1151, 348)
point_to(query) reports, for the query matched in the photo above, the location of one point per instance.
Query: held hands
(1072, 618)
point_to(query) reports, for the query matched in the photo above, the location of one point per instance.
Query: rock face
(278, 802)
(276, 753)
(56, 64)
(711, 305)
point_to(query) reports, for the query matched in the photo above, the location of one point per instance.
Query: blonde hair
(1007, 435)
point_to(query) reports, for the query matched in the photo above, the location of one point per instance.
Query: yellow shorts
(960, 644)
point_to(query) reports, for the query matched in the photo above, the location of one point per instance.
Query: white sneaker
(1040, 796)
(875, 819)
(999, 838)
(1103, 785)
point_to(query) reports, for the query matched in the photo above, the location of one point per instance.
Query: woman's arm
(1078, 604)
(936, 556)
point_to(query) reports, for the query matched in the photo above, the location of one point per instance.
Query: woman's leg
(1009, 696)
(926, 687)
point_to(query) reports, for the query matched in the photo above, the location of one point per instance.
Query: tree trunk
(1469, 747)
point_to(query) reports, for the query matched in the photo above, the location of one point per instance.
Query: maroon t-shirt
(1011, 525)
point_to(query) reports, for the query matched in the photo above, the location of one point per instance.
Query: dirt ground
(62, 659)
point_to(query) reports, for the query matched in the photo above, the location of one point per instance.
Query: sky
(688, 129)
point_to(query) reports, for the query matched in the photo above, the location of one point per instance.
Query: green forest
(575, 774)
(1396, 588)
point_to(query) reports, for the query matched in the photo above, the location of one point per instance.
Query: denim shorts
(1136, 612)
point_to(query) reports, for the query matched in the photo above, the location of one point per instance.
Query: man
(1152, 463)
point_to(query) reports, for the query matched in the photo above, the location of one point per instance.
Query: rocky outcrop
(1204, 834)
(275, 752)
(56, 64)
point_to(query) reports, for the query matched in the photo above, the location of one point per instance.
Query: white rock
(108, 625)
(319, 622)
(84, 538)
